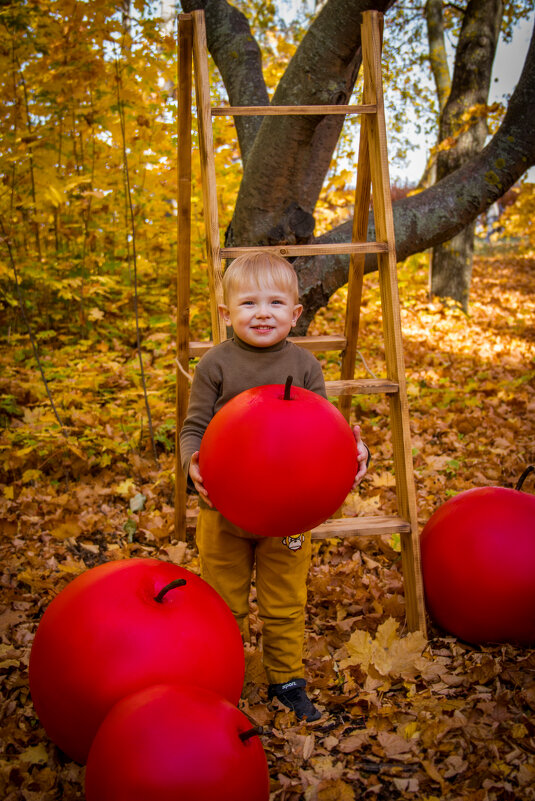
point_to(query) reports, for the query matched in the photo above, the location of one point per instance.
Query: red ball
(167, 743)
(278, 467)
(478, 563)
(105, 636)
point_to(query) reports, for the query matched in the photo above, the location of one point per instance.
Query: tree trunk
(451, 262)
(287, 157)
(441, 75)
(437, 50)
(451, 267)
(442, 211)
(285, 163)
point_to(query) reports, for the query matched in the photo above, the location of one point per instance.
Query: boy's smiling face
(261, 316)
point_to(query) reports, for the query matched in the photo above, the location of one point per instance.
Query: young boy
(261, 304)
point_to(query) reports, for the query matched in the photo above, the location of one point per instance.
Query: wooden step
(271, 111)
(327, 249)
(360, 527)
(361, 386)
(316, 344)
(347, 526)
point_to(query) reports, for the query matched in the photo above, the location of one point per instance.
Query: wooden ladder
(372, 173)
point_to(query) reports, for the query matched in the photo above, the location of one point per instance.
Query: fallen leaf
(36, 754)
(69, 528)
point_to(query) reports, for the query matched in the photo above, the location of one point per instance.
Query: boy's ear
(298, 311)
(224, 312)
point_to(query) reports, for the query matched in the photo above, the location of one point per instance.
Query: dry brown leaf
(469, 734)
(354, 741)
(68, 528)
(392, 744)
(335, 791)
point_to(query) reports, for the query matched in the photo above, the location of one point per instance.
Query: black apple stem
(287, 387)
(246, 735)
(171, 586)
(529, 469)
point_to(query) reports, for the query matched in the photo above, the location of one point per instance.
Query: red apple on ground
(109, 633)
(167, 743)
(278, 461)
(478, 563)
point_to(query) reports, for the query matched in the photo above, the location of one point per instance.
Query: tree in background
(285, 159)
(88, 158)
(84, 112)
(463, 106)
(464, 120)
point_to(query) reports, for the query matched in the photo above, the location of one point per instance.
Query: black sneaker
(292, 694)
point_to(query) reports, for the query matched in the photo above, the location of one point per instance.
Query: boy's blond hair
(262, 269)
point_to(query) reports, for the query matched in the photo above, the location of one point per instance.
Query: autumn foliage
(408, 718)
(87, 261)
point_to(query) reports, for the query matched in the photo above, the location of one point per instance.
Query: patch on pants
(294, 543)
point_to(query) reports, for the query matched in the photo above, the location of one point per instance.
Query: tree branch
(239, 61)
(437, 214)
(437, 50)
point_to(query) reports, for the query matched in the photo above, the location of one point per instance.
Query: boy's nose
(263, 311)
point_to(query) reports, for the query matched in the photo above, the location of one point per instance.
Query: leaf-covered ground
(403, 718)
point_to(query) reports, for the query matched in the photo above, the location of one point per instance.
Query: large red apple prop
(170, 743)
(277, 460)
(123, 626)
(478, 564)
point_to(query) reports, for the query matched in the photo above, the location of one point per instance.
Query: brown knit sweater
(234, 366)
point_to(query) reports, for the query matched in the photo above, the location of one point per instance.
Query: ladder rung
(349, 526)
(271, 111)
(360, 527)
(330, 249)
(316, 344)
(361, 386)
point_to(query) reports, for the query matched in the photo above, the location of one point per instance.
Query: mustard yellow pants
(227, 556)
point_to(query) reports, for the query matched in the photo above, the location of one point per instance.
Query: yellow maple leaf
(388, 654)
(95, 314)
(124, 487)
(69, 528)
(383, 480)
(31, 475)
(359, 649)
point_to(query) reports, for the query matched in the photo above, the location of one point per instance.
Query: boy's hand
(362, 457)
(195, 475)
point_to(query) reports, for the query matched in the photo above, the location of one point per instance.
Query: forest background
(87, 382)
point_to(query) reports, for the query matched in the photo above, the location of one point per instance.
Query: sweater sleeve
(203, 396)
(314, 380)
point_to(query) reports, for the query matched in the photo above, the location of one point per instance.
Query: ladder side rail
(387, 263)
(209, 187)
(185, 44)
(356, 264)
